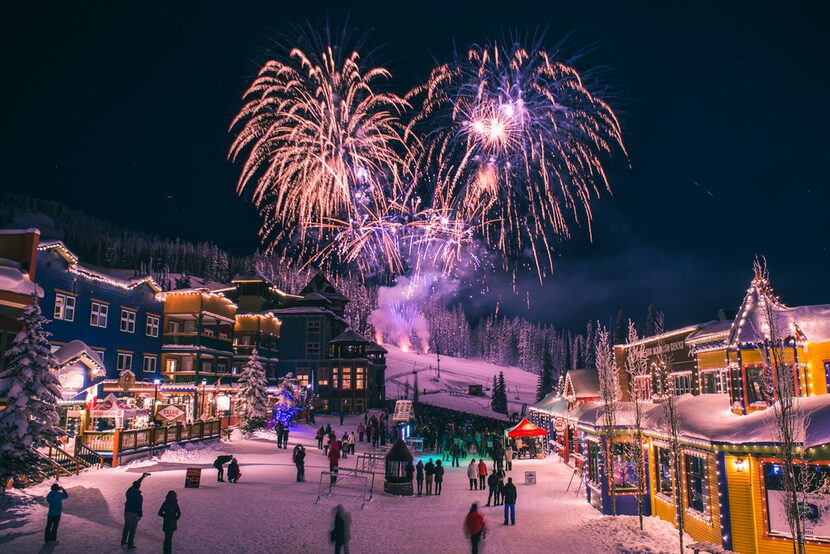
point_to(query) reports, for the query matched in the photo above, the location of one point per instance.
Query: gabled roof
(316, 297)
(710, 331)
(77, 351)
(760, 305)
(108, 276)
(582, 384)
(250, 276)
(376, 348)
(348, 337)
(320, 284)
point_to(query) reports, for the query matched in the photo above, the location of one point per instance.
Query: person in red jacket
(482, 474)
(474, 527)
(334, 459)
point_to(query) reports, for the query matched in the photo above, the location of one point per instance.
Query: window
(335, 377)
(682, 383)
(642, 387)
(713, 381)
(664, 479)
(98, 314)
(313, 326)
(302, 377)
(312, 349)
(697, 493)
(323, 376)
(150, 363)
(593, 462)
(64, 307)
(125, 361)
(152, 326)
(100, 354)
(171, 365)
(814, 500)
(625, 467)
(359, 378)
(755, 386)
(127, 321)
(347, 378)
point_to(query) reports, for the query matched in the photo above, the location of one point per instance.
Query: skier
(233, 471)
(334, 460)
(319, 436)
(439, 477)
(132, 512)
(474, 527)
(472, 474)
(429, 473)
(510, 501)
(285, 436)
(482, 474)
(170, 513)
(419, 476)
(299, 461)
(339, 534)
(55, 499)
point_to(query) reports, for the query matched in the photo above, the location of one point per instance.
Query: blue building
(118, 318)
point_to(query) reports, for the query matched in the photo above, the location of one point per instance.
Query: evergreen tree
(499, 402)
(253, 399)
(651, 321)
(620, 328)
(30, 419)
(546, 377)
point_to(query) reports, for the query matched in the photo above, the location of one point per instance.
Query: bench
(711, 548)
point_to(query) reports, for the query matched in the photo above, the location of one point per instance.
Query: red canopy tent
(525, 429)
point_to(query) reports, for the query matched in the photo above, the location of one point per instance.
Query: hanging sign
(170, 413)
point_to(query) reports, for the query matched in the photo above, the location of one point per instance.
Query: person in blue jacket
(55, 499)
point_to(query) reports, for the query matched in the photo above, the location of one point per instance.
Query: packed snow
(268, 511)
(451, 389)
(13, 279)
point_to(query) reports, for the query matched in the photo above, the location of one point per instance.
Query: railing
(140, 439)
(54, 468)
(99, 441)
(66, 460)
(88, 455)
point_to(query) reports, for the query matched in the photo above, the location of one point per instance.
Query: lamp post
(156, 383)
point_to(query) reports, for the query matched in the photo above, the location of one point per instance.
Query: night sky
(121, 109)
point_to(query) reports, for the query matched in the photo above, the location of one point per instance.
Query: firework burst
(515, 145)
(324, 155)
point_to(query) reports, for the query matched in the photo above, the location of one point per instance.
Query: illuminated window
(302, 377)
(125, 361)
(682, 383)
(152, 326)
(64, 307)
(128, 321)
(714, 381)
(347, 378)
(593, 462)
(359, 378)
(323, 376)
(663, 457)
(642, 387)
(98, 314)
(697, 493)
(755, 386)
(335, 377)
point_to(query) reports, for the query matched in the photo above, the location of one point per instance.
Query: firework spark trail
(324, 152)
(516, 143)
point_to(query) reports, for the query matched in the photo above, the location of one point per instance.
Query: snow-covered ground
(268, 511)
(450, 391)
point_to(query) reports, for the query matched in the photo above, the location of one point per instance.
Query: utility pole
(438, 352)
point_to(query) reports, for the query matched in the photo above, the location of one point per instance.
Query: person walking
(342, 415)
(319, 437)
(493, 488)
(132, 512)
(429, 473)
(278, 430)
(439, 477)
(472, 474)
(482, 474)
(170, 513)
(474, 527)
(299, 461)
(454, 452)
(325, 442)
(508, 458)
(285, 437)
(233, 471)
(55, 498)
(419, 476)
(361, 430)
(500, 489)
(334, 460)
(340, 534)
(352, 442)
(510, 501)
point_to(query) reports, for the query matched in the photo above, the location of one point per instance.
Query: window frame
(128, 322)
(684, 376)
(98, 313)
(309, 351)
(127, 364)
(702, 479)
(147, 358)
(150, 327)
(63, 310)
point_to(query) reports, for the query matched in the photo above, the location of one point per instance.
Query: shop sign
(192, 477)
(559, 426)
(223, 403)
(170, 413)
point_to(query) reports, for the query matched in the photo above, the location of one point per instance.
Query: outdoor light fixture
(739, 465)
(156, 381)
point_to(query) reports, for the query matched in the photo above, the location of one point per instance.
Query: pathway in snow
(268, 511)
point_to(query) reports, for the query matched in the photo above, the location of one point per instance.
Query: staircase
(61, 462)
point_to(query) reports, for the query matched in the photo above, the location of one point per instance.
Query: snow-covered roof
(250, 276)
(349, 336)
(582, 383)
(13, 279)
(375, 347)
(20, 231)
(74, 350)
(710, 331)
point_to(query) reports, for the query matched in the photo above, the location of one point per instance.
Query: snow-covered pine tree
(546, 382)
(499, 403)
(253, 399)
(30, 419)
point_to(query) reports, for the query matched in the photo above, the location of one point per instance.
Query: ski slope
(450, 390)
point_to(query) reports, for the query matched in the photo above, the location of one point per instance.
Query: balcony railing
(194, 339)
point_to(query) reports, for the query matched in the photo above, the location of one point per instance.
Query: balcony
(246, 349)
(194, 339)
